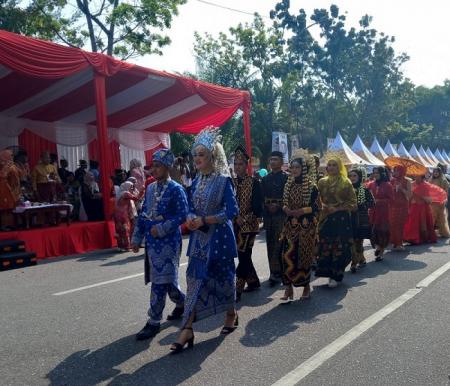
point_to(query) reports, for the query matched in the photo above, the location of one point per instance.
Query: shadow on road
(171, 370)
(129, 259)
(92, 367)
(286, 318)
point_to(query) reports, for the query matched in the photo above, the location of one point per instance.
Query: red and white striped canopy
(49, 89)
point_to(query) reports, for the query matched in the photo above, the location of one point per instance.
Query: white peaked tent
(440, 157)
(389, 149)
(425, 156)
(377, 150)
(431, 155)
(340, 149)
(360, 149)
(446, 156)
(416, 155)
(402, 152)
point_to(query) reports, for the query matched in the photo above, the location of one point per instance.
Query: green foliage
(123, 28)
(315, 84)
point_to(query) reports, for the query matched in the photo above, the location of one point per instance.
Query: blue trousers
(158, 300)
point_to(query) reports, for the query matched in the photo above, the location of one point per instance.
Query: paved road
(86, 337)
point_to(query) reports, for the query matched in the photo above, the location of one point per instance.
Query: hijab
(360, 177)
(383, 175)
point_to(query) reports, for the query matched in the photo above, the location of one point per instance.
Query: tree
(123, 28)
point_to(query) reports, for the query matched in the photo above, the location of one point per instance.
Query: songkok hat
(241, 154)
(164, 156)
(277, 154)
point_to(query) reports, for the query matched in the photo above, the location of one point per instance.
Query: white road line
(311, 364)
(103, 283)
(430, 278)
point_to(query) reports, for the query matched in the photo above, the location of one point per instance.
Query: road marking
(311, 364)
(430, 278)
(103, 283)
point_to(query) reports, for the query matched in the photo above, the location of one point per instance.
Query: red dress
(379, 214)
(398, 211)
(419, 228)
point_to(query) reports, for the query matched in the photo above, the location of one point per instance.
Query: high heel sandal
(306, 297)
(178, 347)
(228, 330)
(288, 295)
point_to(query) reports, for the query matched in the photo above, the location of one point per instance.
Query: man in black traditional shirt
(246, 225)
(273, 186)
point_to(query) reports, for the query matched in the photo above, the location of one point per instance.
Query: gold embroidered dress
(249, 197)
(299, 233)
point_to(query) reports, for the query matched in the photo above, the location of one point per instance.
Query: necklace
(157, 196)
(199, 199)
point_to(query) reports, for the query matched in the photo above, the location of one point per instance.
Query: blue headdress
(165, 156)
(208, 138)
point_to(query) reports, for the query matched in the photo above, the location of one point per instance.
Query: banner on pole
(280, 143)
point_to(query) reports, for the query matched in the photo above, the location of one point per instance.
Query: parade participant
(439, 210)
(383, 192)
(419, 229)
(246, 225)
(399, 206)
(164, 210)
(124, 215)
(299, 233)
(335, 228)
(44, 179)
(212, 249)
(272, 187)
(360, 218)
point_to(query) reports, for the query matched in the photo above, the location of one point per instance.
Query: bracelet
(307, 210)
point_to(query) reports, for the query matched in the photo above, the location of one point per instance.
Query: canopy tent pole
(102, 140)
(247, 133)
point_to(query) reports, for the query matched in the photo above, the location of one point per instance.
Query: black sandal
(228, 330)
(178, 347)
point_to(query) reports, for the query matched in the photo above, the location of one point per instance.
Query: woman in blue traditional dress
(211, 276)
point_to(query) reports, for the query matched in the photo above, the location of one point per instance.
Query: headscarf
(135, 163)
(304, 180)
(360, 177)
(341, 179)
(440, 181)
(89, 180)
(124, 187)
(383, 175)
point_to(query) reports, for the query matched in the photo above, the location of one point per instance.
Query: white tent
(402, 152)
(340, 149)
(431, 155)
(377, 150)
(446, 156)
(360, 149)
(389, 149)
(416, 155)
(425, 156)
(440, 157)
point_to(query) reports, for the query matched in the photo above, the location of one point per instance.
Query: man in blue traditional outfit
(165, 209)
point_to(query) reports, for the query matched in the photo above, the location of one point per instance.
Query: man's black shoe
(176, 314)
(149, 331)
